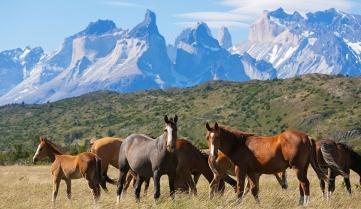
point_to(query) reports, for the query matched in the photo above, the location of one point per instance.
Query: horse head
(170, 132)
(213, 138)
(41, 151)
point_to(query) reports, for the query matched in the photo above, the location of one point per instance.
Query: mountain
(224, 38)
(327, 42)
(101, 57)
(200, 58)
(16, 65)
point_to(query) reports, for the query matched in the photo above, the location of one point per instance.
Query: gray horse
(149, 157)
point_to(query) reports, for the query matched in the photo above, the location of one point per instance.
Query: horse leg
(241, 177)
(213, 185)
(128, 179)
(138, 185)
(171, 181)
(221, 187)
(68, 187)
(56, 184)
(95, 190)
(196, 177)
(191, 183)
(146, 186)
(282, 180)
(156, 179)
(331, 183)
(122, 175)
(304, 186)
(322, 185)
(248, 186)
(348, 185)
(254, 181)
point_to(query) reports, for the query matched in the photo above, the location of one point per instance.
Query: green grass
(322, 106)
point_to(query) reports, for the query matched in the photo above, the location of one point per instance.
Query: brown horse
(338, 159)
(223, 166)
(66, 167)
(254, 155)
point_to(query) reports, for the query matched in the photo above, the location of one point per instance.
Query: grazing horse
(67, 167)
(149, 158)
(223, 166)
(338, 159)
(254, 155)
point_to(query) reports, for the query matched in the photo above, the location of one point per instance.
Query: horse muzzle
(170, 148)
(35, 160)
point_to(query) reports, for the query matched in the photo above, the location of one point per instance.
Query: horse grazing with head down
(253, 155)
(149, 158)
(338, 158)
(67, 167)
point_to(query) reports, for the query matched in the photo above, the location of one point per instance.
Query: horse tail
(98, 173)
(313, 160)
(109, 180)
(326, 150)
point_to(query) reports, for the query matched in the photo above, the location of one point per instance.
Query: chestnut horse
(67, 167)
(149, 158)
(254, 155)
(338, 159)
(223, 166)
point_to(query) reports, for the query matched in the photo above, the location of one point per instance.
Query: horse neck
(52, 152)
(162, 142)
(228, 143)
(204, 168)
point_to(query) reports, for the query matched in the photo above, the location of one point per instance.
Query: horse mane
(54, 146)
(238, 135)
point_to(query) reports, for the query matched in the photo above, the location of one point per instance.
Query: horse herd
(231, 152)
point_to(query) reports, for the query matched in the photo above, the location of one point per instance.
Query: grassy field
(30, 187)
(320, 105)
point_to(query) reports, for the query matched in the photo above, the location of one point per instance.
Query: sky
(46, 23)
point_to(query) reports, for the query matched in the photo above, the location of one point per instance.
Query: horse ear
(216, 126)
(166, 120)
(208, 127)
(175, 119)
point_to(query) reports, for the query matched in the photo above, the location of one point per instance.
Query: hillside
(323, 106)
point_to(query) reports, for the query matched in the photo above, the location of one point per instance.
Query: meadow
(30, 187)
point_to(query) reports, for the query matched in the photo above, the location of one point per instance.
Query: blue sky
(47, 22)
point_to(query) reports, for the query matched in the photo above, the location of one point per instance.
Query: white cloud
(244, 12)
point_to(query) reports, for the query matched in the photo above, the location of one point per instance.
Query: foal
(149, 158)
(66, 167)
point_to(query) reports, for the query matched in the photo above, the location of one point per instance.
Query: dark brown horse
(148, 158)
(338, 159)
(254, 155)
(67, 167)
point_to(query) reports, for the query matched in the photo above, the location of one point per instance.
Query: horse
(253, 155)
(149, 158)
(67, 167)
(107, 149)
(223, 166)
(338, 158)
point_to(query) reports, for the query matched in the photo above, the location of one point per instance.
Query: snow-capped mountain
(105, 57)
(200, 58)
(101, 57)
(16, 65)
(224, 38)
(327, 42)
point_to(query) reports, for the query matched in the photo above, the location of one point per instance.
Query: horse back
(107, 149)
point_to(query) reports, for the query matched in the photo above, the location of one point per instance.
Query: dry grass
(30, 187)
